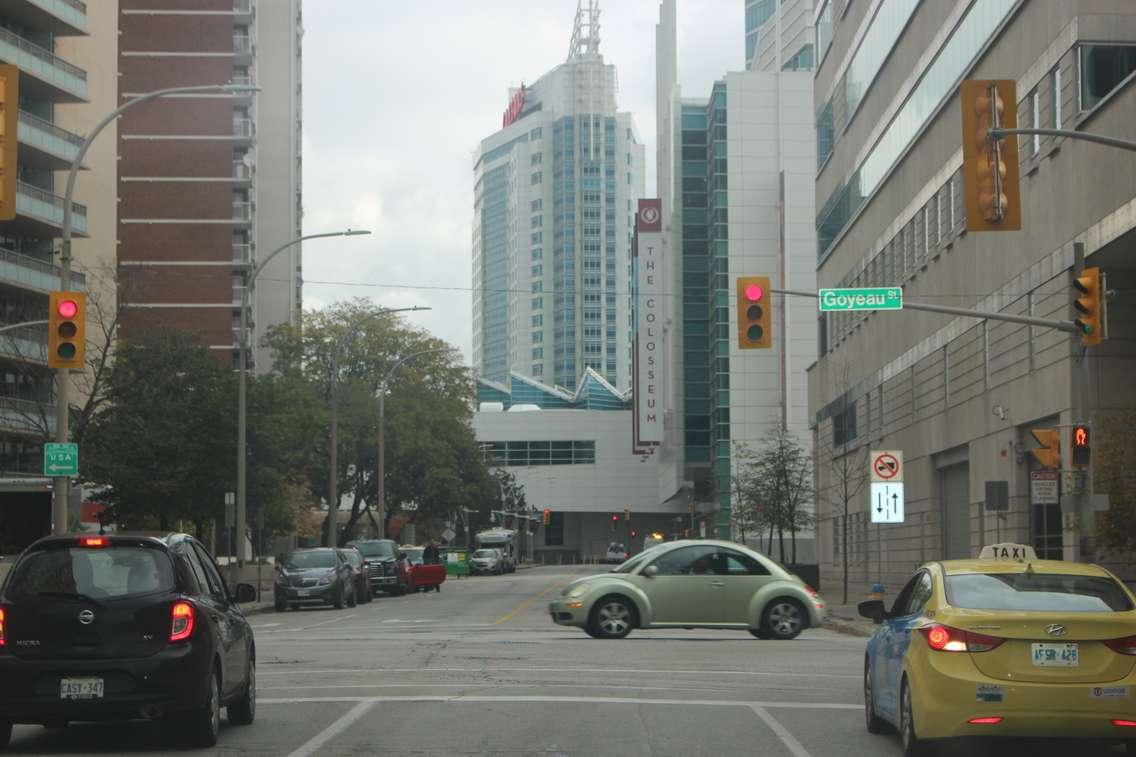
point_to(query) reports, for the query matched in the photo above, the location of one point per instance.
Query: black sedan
(320, 576)
(124, 627)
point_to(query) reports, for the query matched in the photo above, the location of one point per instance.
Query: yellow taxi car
(1005, 645)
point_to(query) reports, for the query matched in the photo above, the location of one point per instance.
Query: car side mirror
(651, 571)
(874, 610)
(244, 593)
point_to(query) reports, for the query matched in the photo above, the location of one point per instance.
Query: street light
(380, 504)
(62, 484)
(333, 462)
(242, 370)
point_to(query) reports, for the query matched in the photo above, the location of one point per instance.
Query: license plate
(1056, 655)
(81, 688)
(304, 593)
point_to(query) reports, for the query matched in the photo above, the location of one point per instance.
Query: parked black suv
(123, 627)
(385, 566)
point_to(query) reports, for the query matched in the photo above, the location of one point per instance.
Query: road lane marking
(491, 684)
(781, 732)
(558, 584)
(314, 744)
(709, 672)
(337, 619)
(540, 699)
(265, 625)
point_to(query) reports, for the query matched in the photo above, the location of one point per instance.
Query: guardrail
(43, 125)
(43, 54)
(35, 264)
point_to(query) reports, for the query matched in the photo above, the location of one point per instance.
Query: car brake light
(946, 639)
(1124, 723)
(181, 621)
(1127, 645)
(93, 541)
(993, 720)
(3, 639)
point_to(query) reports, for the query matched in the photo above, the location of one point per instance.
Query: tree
(164, 442)
(1114, 474)
(431, 454)
(775, 488)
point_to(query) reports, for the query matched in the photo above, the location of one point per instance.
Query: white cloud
(397, 97)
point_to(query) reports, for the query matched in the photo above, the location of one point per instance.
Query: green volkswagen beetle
(687, 584)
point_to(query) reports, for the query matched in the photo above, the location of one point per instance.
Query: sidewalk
(846, 619)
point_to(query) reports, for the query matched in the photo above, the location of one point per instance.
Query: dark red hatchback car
(124, 627)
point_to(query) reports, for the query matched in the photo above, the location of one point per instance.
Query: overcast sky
(397, 95)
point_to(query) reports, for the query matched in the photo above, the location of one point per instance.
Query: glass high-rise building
(554, 203)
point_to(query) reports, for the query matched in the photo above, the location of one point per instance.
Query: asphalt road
(479, 669)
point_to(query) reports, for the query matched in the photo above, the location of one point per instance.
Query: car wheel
(5, 733)
(337, 600)
(203, 725)
(758, 633)
(611, 618)
(783, 619)
(875, 723)
(243, 711)
(912, 746)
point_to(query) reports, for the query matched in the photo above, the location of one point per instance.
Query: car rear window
(1042, 592)
(414, 556)
(323, 558)
(105, 573)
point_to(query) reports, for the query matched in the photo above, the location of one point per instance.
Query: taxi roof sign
(1007, 551)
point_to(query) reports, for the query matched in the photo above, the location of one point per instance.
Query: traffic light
(1088, 305)
(614, 521)
(66, 330)
(1082, 446)
(9, 125)
(1049, 453)
(634, 533)
(990, 166)
(754, 315)
(547, 517)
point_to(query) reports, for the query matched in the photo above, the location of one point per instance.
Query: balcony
(26, 416)
(33, 273)
(242, 253)
(243, 129)
(238, 296)
(60, 17)
(242, 10)
(44, 145)
(40, 213)
(25, 345)
(242, 212)
(242, 172)
(42, 74)
(242, 49)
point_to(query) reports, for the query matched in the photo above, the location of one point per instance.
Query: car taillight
(3, 638)
(1124, 723)
(1127, 645)
(946, 639)
(181, 621)
(93, 541)
(991, 720)
(811, 591)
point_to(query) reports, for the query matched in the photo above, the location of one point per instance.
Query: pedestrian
(430, 554)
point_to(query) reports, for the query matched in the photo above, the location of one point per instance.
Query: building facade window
(1102, 69)
(529, 453)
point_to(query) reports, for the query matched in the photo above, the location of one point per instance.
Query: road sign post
(870, 298)
(61, 459)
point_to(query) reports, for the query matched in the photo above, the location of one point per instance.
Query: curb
(846, 628)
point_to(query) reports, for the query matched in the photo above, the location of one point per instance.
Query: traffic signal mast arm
(1028, 320)
(1123, 144)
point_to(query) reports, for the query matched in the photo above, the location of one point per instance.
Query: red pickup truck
(422, 576)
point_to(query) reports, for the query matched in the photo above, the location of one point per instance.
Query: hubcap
(614, 618)
(784, 619)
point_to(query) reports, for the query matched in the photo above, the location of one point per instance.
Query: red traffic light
(614, 518)
(754, 292)
(67, 308)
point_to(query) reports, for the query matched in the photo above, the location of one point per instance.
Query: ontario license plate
(81, 688)
(304, 593)
(1056, 655)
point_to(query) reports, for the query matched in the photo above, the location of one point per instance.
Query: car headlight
(578, 591)
(325, 580)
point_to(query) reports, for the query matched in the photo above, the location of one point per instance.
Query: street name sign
(61, 459)
(886, 503)
(886, 466)
(871, 298)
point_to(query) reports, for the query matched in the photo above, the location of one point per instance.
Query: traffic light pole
(1123, 144)
(1028, 320)
(62, 484)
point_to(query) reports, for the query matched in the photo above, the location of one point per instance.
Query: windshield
(379, 549)
(414, 556)
(1038, 592)
(105, 573)
(317, 558)
(485, 553)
